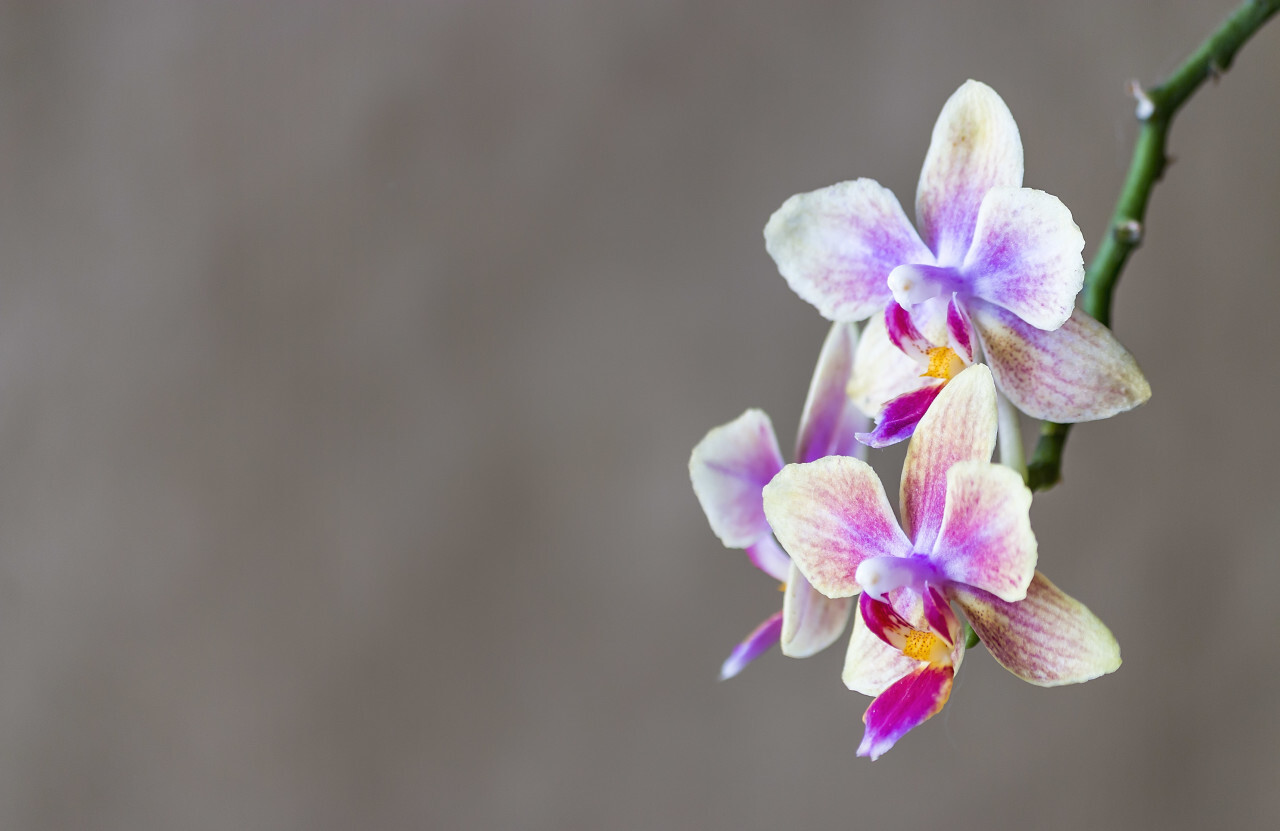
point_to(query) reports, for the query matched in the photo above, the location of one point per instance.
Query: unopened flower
(729, 469)
(1005, 257)
(965, 536)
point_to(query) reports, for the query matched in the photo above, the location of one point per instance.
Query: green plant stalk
(1213, 57)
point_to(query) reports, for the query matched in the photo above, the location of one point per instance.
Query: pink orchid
(729, 469)
(991, 257)
(965, 537)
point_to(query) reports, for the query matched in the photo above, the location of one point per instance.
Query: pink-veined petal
(880, 371)
(903, 333)
(960, 330)
(1026, 256)
(898, 419)
(830, 421)
(986, 539)
(729, 469)
(1047, 639)
(756, 644)
(766, 555)
(871, 666)
(959, 426)
(811, 621)
(975, 147)
(836, 247)
(907, 704)
(1079, 372)
(830, 515)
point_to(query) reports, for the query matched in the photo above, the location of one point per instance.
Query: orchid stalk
(1156, 108)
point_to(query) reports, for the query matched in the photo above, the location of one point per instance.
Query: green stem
(1213, 57)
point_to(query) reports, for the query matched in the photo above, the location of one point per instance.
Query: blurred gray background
(350, 359)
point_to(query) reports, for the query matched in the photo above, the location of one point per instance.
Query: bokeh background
(350, 359)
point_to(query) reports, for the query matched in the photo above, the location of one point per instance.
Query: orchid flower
(965, 537)
(991, 256)
(729, 469)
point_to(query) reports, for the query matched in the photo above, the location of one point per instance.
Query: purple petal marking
(1079, 372)
(900, 416)
(961, 425)
(941, 619)
(766, 555)
(1047, 639)
(960, 330)
(871, 666)
(830, 421)
(910, 702)
(756, 644)
(1026, 256)
(729, 469)
(985, 540)
(836, 247)
(810, 621)
(830, 515)
(904, 334)
(883, 621)
(975, 147)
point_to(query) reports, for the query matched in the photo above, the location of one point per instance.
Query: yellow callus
(944, 363)
(925, 646)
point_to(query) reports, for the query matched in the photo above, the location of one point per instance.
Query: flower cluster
(978, 304)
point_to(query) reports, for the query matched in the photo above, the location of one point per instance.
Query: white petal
(960, 425)
(975, 147)
(1026, 256)
(729, 469)
(829, 421)
(811, 621)
(830, 515)
(1078, 372)
(836, 247)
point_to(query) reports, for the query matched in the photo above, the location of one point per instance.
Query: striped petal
(1047, 639)
(880, 371)
(986, 539)
(756, 644)
(810, 621)
(729, 468)
(830, 421)
(830, 515)
(898, 420)
(836, 247)
(1079, 372)
(975, 147)
(1026, 256)
(960, 426)
(908, 703)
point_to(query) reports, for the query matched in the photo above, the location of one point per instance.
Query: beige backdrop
(350, 359)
